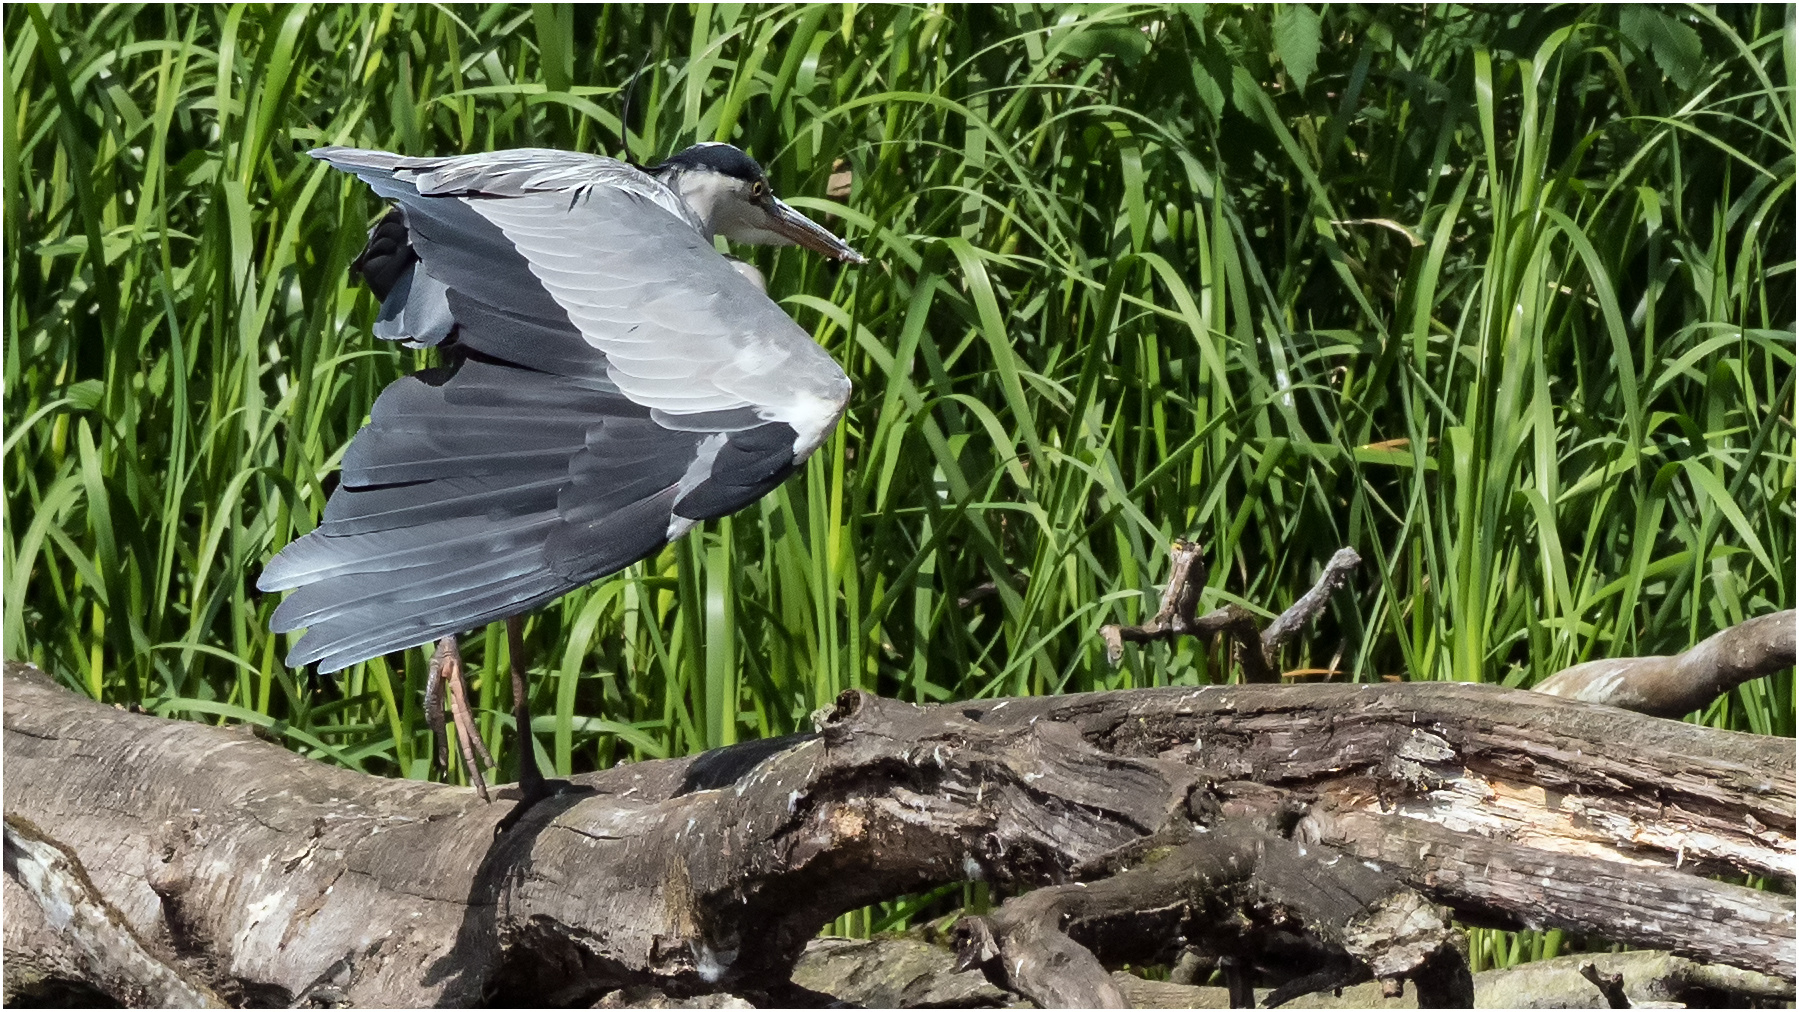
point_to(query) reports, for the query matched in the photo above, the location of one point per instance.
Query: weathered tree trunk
(1311, 836)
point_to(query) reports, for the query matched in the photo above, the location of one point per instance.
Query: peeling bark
(267, 876)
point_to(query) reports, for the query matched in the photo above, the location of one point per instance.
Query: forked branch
(1258, 649)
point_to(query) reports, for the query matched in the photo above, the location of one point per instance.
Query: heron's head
(728, 191)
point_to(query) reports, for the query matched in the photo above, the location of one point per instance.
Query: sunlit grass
(1503, 300)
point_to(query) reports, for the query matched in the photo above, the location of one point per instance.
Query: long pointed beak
(808, 233)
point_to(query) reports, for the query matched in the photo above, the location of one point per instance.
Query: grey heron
(609, 381)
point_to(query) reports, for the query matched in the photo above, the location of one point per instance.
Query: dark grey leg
(530, 780)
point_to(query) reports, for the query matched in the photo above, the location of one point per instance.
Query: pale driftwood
(1688, 681)
(268, 877)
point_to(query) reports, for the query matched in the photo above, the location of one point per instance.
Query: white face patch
(714, 198)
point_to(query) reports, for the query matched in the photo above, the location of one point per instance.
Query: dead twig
(1258, 649)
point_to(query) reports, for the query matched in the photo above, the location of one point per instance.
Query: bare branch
(1234, 892)
(1287, 626)
(1688, 681)
(1180, 603)
(1257, 649)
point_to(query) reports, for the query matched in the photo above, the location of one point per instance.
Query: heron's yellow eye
(757, 188)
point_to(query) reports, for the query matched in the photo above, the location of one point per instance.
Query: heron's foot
(446, 668)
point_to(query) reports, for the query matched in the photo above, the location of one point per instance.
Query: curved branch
(1690, 680)
(1258, 649)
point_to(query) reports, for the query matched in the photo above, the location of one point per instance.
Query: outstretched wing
(614, 380)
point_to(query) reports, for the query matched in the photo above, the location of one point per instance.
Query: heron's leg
(468, 739)
(434, 705)
(530, 780)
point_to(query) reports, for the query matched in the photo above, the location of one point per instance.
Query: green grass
(1502, 298)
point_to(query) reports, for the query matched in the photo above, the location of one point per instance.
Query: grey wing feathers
(474, 498)
(580, 425)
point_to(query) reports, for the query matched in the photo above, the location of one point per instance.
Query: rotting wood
(292, 881)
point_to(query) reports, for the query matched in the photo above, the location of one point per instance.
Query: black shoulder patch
(715, 156)
(387, 255)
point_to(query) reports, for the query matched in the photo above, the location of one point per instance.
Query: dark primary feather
(388, 257)
(473, 499)
(499, 306)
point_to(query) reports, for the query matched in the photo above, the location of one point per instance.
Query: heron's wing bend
(615, 380)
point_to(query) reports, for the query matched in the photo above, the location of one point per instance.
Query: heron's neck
(704, 193)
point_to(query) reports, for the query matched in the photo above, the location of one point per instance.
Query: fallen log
(261, 876)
